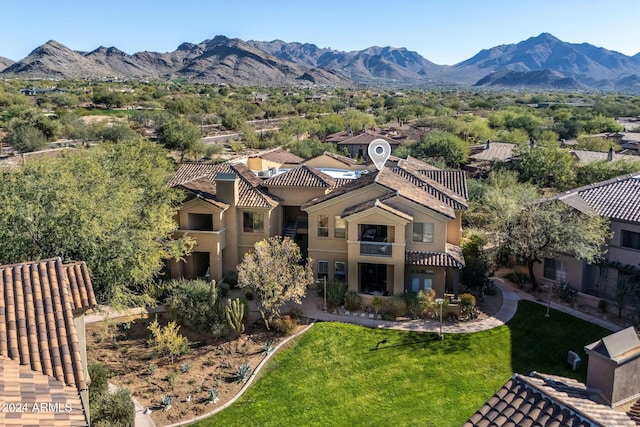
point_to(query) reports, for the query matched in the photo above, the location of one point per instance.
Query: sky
(442, 31)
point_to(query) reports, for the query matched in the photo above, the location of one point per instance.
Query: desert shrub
(413, 304)
(602, 306)
(352, 300)
(113, 410)
(377, 304)
(394, 307)
(167, 341)
(518, 277)
(194, 304)
(335, 293)
(223, 289)
(284, 325)
(425, 301)
(243, 372)
(231, 278)
(108, 409)
(567, 293)
(467, 303)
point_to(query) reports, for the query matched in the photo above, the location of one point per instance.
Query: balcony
(375, 249)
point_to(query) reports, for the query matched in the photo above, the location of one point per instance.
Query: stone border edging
(246, 384)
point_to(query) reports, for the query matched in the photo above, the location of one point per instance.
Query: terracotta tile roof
(302, 176)
(251, 194)
(377, 203)
(617, 198)
(452, 258)
(497, 151)
(37, 300)
(56, 404)
(546, 401)
(279, 155)
(342, 159)
(365, 138)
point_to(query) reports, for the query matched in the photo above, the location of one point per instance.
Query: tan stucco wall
(329, 162)
(616, 251)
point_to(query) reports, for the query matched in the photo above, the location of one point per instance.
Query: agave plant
(267, 347)
(243, 372)
(166, 401)
(212, 396)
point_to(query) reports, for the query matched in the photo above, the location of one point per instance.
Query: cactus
(212, 396)
(213, 294)
(267, 348)
(234, 312)
(166, 401)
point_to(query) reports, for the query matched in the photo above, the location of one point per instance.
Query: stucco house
(43, 361)
(617, 199)
(382, 232)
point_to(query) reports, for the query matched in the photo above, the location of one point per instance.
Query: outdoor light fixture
(324, 293)
(440, 303)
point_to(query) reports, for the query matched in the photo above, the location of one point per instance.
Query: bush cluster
(108, 409)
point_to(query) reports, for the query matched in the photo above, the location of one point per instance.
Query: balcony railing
(375, 248)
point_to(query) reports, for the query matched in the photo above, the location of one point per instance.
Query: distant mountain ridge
(538, 62)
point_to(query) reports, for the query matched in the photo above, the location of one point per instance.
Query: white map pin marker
(379, 152)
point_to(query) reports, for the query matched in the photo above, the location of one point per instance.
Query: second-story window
(630, 239)
(340, 230)
(423, 232)
(323, 226)
(253, 222)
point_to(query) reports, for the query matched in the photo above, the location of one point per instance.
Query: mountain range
(538, 62)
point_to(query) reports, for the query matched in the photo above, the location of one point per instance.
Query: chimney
(349, 132)
(610, 155)
(488, 144)
(363, 128)
(614, 367)
(563, 143)
(227, 188)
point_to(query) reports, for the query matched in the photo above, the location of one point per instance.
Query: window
(423, 232)
(630, 239)
(421, 279)
(340, 271)
(253, 222)
(340, 231)
(323, 269)
(555, 269)
(323, 226)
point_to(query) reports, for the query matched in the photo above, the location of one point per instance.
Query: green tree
(182, 135)
(109, 206)
(547, 166)
(554, 228)
(272, 271)
(441, 145)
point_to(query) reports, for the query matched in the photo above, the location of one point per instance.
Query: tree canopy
(109, 206)
(274, 273)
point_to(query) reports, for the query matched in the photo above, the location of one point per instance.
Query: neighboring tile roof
(497, 151)
(20, 384)
(37, 300)
(617, 198)
(250, 186)
(547, 401)
(452, 258)
(302, 176)
(365, 138)
(279, 155)
(342, 159)
(204, 189)
(584, 156)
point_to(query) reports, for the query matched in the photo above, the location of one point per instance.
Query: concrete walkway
(510, 297)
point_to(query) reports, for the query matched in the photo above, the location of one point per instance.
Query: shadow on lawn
(430, 342)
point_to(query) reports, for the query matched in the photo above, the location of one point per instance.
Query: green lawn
(334, 376)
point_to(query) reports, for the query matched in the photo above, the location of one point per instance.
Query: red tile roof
(451, 258)
(539, 400)
(365, 138)
(279, 155)
(37, 304)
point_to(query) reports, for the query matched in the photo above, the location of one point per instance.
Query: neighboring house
(583, 156)
(384, 232)
(358, 145)
(492, 152)
(43, 360)
(617, 199)
(547, 400)
(334, 161)
(277, 158)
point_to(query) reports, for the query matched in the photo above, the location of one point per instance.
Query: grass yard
(346, 375)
